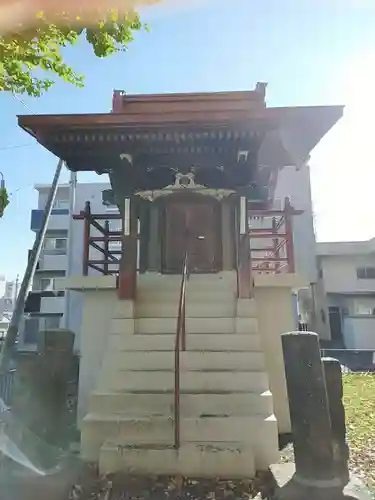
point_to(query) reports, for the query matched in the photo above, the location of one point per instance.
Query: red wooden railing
(271, 244)
(106, 261)
(98, 255)
(180, 344)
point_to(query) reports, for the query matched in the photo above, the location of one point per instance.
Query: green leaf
(25, 53)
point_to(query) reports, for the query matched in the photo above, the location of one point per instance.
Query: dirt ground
(87, 485)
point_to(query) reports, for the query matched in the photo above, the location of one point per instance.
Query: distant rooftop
(346, 247)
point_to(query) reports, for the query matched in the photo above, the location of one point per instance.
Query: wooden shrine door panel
(197, 225)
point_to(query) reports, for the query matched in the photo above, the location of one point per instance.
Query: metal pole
(12, 332)
(72, 204)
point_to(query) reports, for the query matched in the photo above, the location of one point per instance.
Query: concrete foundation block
(246, 325)
(246, 308)
(124, 309)
(191, 405)
(193, 382)
(193, 325)
(189, 361)
(190, 460)
(123, 326)
(194, 342)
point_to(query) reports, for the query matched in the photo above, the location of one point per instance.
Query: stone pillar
(309, 412)
(55, 363)
(333, 379)
(40, 400)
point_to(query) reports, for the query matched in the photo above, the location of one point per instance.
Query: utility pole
(12, 332)
(72, 204)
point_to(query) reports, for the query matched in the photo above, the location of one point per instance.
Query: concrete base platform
(192, 460)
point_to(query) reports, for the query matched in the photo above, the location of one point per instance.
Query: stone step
(152, 326)
(194, 342)
(191, 382)
(191, 405)
(193, 325)
(166, 305)
(149, 280)
(191, 460)
(195, 295)
(254, 431)
(189, 360)
(199, 309)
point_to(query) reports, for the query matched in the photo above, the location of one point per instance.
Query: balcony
(53, 262)
(52, 305)
(58, 221)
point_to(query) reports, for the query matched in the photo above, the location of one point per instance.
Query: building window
(111, 209)
(366, 273)
(55, 245)
(49, 284)
(49, 322)
(362, 309)
(114, 246)
(61, 205)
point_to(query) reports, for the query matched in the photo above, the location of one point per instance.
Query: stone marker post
(314, 475)
(55, 349)
(333, 379)
(309, 412)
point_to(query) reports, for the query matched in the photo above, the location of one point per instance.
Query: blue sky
(310, 52)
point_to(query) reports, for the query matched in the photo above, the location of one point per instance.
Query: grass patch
(359, 401)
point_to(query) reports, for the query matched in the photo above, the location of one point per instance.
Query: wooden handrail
(180, 344)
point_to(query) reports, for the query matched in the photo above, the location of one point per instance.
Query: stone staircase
(227, 425)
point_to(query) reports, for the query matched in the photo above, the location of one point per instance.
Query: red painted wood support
(244, 271)
(127, 280)
(245, 278)
(276, 245)
(289, 235)
(106, 247)
(86, 239)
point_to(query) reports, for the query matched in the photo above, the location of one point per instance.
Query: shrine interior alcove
(199, 223)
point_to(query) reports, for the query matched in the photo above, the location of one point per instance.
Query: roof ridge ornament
(185, 182)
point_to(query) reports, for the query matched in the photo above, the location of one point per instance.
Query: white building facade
(49, 306)
(347, 273)
(8, 294)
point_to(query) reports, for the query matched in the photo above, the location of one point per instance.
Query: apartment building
(347, 273)
(49, 306)
(8, 294)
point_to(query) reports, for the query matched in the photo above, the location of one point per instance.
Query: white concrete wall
(53, 262)
(62, 194)
(340, 273)
(295, 184)
(52, 305)
(359, 332)
(98, 310)
(276, 290)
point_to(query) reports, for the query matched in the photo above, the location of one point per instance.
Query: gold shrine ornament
(184, 183)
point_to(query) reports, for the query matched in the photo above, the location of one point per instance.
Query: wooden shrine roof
(184, 123)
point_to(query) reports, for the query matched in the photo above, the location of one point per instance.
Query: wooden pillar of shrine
(127, 281)
(245, 284)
